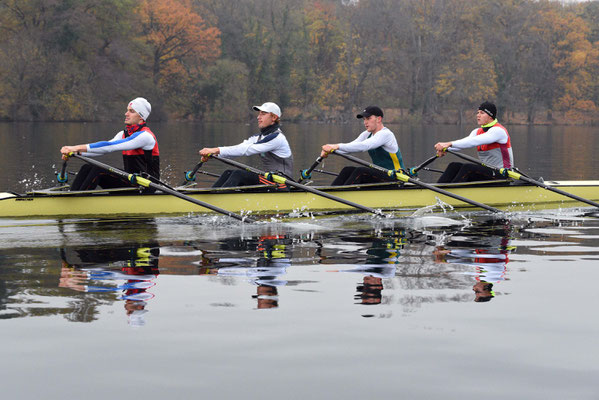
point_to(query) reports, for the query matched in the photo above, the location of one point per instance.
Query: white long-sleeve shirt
(494, 135)
(278, 146)
(383, 138)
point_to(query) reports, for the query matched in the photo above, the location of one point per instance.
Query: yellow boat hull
(130, 203)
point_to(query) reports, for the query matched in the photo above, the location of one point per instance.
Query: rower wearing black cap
(381, 145)
(492, 142)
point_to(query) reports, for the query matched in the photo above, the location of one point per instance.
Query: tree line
(81, 60)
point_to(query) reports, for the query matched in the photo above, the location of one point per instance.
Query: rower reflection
(263, 270)
(381, 261)
(128, 271)
(486, 250)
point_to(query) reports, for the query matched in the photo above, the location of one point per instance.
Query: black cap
(489, 108)
(370, 110)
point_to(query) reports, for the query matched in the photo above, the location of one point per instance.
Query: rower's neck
(378, 130)
(490, 124)
(131, 129)
(269, 129)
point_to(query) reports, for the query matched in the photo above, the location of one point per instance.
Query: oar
(405, 178)
(433, 170)
(63, 175)
(138, 180)
(322, 171)
(190, 176)
(284, 181)
(414, 170)
(307, 173)
(515, 175)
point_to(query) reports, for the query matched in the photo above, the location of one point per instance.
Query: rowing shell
(267, 200)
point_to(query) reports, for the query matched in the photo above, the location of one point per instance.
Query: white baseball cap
(141, 106)
(268, 107)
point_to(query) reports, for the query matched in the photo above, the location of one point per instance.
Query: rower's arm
(379, 139)
(493, 135)
(139, 140)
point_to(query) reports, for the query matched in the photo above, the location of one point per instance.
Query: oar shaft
(514, 175)
(555, 190)
(289, 182)
(208, 173)
(138, 180)
(405, 178)
(321, 171)
(414, 170)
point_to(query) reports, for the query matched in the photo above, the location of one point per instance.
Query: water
(346, 307)
(31, 150)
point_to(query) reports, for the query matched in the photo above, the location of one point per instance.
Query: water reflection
(388, 265)
(266, 262)
(127, 271)
(485, 249)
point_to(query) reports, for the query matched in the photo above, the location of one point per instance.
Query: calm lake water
(453, 306)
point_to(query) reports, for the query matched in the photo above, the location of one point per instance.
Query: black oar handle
(191, 175)
(397, 174)
(414, 170)
(307, 173)
(63, 175)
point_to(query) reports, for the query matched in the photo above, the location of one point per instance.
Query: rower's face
(132, 117)
(265, 119)
(371, 123)
(482, 118)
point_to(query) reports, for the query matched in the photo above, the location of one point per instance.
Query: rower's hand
(441, 146)
(67, 150)
(206, 152)
(328, 149)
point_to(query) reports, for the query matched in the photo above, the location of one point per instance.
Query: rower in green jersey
(381, 145)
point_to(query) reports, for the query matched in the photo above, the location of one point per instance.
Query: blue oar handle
(414, 170)
(307, 173)
(63, 175)
(191, 175)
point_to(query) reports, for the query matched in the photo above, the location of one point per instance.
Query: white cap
(269, 107)
(142, 107)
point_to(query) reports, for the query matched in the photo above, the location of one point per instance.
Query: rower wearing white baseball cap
(136, 141)
(270, 143)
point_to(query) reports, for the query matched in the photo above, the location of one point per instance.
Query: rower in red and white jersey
(493, 143)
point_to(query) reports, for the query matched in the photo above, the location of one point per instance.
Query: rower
(381, 145)
(492, 142)
(270, 143)
(136, 141)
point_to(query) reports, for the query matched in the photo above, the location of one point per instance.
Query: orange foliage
(576, 60)
(175, 33)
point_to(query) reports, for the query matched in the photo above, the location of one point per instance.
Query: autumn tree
(575, 60)
(315, 64)
(60, 58)
(180, 42)
(468, 77)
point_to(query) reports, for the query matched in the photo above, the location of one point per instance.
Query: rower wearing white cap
(136, 141)
(270, 143)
